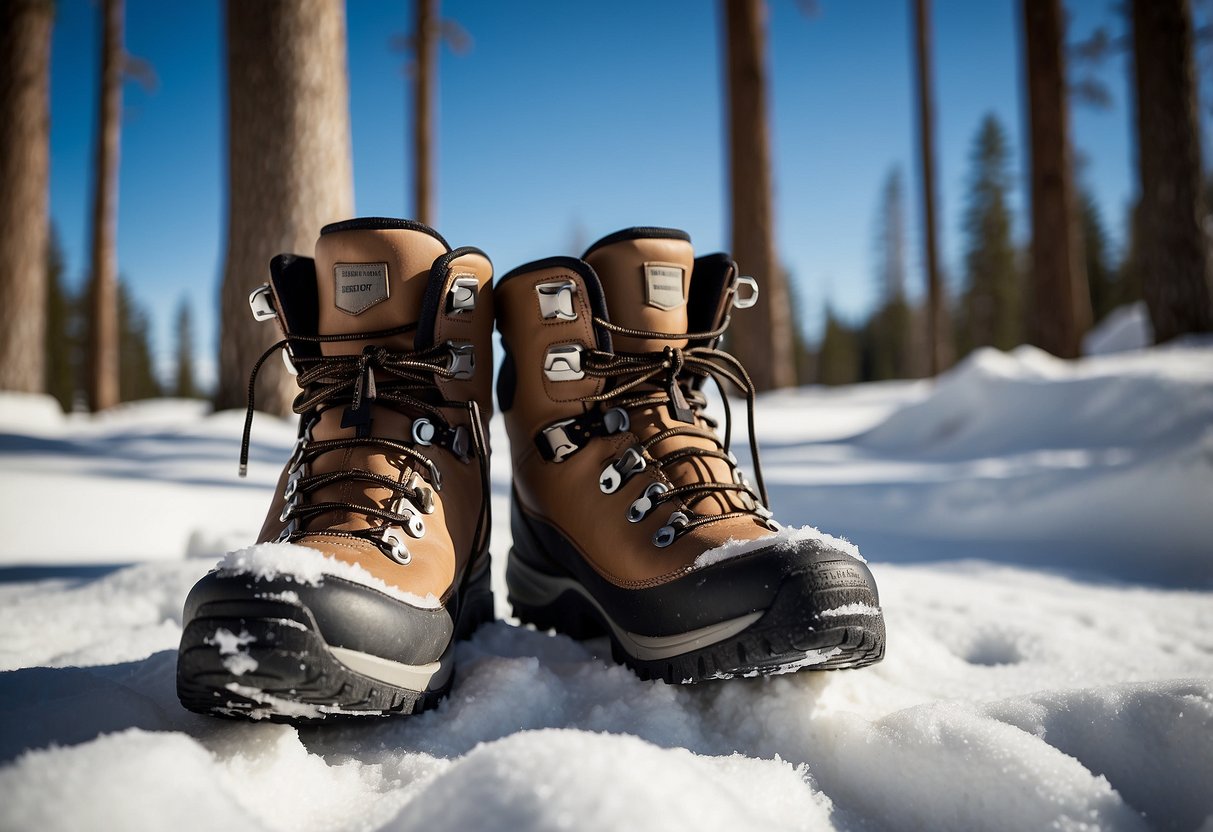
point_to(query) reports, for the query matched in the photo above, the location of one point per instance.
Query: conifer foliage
(991, 315)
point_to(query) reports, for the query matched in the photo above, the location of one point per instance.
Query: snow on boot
(630, 515)
(374, 555)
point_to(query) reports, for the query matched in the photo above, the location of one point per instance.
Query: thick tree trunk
(103, 362)
(424, 81)
(761, 337)
(1173, 249)
(289, 167)
(939, 355)
(1061, 299)
(25, 53)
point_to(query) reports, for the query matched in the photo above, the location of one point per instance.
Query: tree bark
(289, 167)
(939, 356)
(762, 337)
(103, 361)
(1061, 299)
(425, 79)
(25, 51)
(1173, 247)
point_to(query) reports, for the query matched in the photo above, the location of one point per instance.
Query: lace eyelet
(668, 533)
(396, 550)
(423, 431)
(640, 509)
(621, 470)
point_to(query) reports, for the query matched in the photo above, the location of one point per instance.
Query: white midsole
(416, 677)
(545, 589)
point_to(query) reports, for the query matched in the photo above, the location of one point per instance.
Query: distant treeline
(991, 303)
(67, 339)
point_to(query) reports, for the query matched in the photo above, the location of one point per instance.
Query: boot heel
(543, 601)
(477, 606)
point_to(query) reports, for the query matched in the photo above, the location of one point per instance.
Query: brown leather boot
(630, 516)
(374, 555)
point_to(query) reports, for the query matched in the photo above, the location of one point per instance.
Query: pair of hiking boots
(630, 517)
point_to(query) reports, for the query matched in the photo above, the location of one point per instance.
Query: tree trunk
(1173, 249)
(103, 362)
(25, 53)
(939, 356)
(425, 79)
(762, 337)
(289, 167)
(1061, 299)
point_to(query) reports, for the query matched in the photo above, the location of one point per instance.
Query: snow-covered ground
(1043, 537)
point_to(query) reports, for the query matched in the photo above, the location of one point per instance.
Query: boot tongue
(371, 275)
(372, 278)
(646, 276)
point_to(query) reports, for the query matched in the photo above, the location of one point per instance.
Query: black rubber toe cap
(345, 614)
(820, 577)
(824, 578)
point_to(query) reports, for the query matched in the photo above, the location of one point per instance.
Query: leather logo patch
(663, 285)
(360, 286)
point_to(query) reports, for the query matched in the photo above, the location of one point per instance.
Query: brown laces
(669, 377)
(404, 381)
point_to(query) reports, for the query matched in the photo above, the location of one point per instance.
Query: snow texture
(1040, 531)
(1125, 328)
(786, 538)
(291, 562)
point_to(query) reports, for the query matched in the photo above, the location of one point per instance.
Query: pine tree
(185, 387)
(939, 354)
(1172, 245)
(1129, 278)
(765, 344)
(1060, 300)
(280, 191)
(425, 34)
(887, 344)
(25, 47)
(137, 372)
(60, 346)
(838, 357)
(992, 297)
(1100, 275)
(806, 361)
(103, 355)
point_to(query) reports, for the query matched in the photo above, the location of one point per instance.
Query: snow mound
(996, 402)
(1103, 465)
(786, 538)
(301, 564)
(20, 411)
(586, 778)
(1125, 328)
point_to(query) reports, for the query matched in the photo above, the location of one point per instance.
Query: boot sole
(783, 638)
(257, 659)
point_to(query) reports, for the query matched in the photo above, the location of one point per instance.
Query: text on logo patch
(663, 285)
(360, 286)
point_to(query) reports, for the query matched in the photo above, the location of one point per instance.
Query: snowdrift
(1104, 466)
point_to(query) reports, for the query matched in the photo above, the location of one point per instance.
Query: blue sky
(567, 121)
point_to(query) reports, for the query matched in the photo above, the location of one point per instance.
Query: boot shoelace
(378, 376)
(665, 377)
